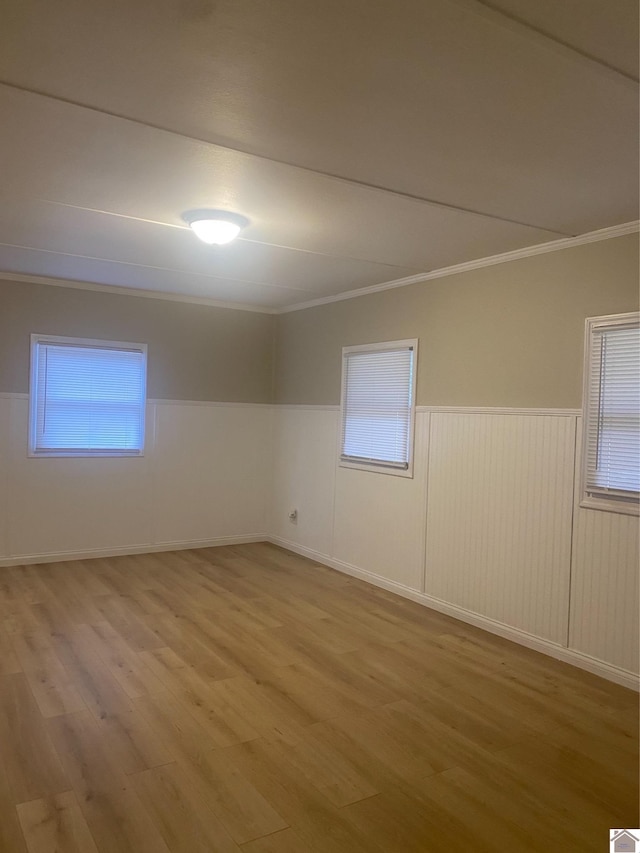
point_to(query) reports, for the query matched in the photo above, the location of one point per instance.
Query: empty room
(319, 426)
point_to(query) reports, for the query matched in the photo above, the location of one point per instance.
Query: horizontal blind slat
(89, 398)
(612, 433)
(377, 406)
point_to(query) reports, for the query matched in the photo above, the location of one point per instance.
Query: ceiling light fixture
(215, 226)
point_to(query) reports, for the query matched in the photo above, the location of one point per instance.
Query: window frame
(88, 343)
(588, 499)
(381, 467)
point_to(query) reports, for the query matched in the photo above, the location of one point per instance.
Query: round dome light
(215, 226)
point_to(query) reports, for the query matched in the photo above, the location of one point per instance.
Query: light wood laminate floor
(246, 699)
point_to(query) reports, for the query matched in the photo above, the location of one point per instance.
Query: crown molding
(468, 266)
(517, 254)
(115, 290)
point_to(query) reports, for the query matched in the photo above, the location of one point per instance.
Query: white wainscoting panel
(73, 504)
(604, 585)
(499, 510)
(304, 465)
(204, 479)
(490, 507)
(380, 518)
(5, 407)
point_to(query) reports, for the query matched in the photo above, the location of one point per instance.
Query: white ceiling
(366, 141)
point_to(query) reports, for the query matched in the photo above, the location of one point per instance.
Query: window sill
(611, 505)
(407, 473)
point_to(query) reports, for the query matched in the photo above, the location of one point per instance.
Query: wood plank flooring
(246, 699)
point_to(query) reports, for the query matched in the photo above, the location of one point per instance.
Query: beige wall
(505, 335)
(196, 352)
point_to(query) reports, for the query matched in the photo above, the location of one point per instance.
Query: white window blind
(378, 386)
(612, 408)
(87, 398)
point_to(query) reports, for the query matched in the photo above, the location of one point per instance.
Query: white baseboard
(554, 650)
(182, 545)
(571, 656)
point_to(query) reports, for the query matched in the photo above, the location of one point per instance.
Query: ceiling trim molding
(443, 272)
(115, 290)
(468, 266)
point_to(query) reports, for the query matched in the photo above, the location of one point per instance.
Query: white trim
(126, 550)
(377, 468)
(231, 404)
(307, 407)
(498, 410)
(116, 290)
(604, 504)
(322, 407)
(554, 650)
(15, 395)
(424, 423)
(408, 343)
(89, 343)
(597, 667)
(34, 395)
(467, 266)
(380, 467)
(514, 255)
(594, 500)
(456, 410)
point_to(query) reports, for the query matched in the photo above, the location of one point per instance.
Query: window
(378, 409)
(611, 436)
(87, 397)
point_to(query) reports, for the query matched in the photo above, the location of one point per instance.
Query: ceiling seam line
(350, 181)
(143, 293)
(153, 267)
(240, 238)
(548, 37)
